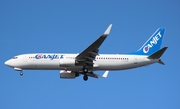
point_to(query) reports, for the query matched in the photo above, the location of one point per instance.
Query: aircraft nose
(8, 63)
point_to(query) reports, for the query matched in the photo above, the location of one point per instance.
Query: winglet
(105, 74)
(108, 30)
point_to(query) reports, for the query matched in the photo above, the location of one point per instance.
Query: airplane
(89, 60)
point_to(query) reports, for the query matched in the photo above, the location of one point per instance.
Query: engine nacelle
(68, 74)
(67, 62)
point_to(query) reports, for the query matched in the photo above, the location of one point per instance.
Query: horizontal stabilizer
(160, 62)
(158, 54)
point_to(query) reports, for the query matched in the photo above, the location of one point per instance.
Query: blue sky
(69, 27)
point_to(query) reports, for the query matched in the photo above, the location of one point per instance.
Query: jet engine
(68, 74)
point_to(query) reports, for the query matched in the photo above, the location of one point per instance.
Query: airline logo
(154, 41)
(46, 56)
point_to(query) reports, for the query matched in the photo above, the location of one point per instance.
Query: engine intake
(68, 74)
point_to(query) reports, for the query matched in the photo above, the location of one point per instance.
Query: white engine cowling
(67, 62)
(67, 74)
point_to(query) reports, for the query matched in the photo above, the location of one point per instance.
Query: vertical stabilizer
(153, 44)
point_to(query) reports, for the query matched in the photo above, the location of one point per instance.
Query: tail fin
(153, 44)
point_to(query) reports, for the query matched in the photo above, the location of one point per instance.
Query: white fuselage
(102, 62)
(89, 60)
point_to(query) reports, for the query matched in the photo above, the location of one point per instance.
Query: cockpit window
(15, 57)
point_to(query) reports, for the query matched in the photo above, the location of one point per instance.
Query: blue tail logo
(153, 44)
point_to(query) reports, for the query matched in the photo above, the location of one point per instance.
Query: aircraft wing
(88, 55)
